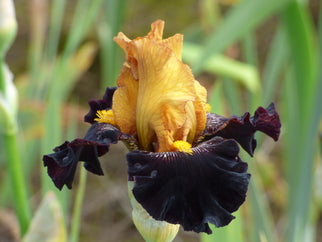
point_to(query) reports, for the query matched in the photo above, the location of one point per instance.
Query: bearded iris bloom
(183, 165)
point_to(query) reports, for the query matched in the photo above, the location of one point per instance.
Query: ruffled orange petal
(122, 40)
(156, 31)
(175, 44)
(169, 104)
(200, 110)
(125, 101)
(166, 85)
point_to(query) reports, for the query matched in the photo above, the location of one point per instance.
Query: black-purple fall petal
(95, 105)
(191, 190)
(61, 165)
(242, 129)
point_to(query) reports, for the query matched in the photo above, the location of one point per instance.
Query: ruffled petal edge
(191, 190)
(61, 165)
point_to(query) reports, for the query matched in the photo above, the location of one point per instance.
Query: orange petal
(122, 40)
(156, 31)
(166, 85)
(174, 43)
(124, 102)
(200, 109)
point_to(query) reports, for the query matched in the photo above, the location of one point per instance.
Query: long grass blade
(247, 15)
(110, 52)
(56, 19)
(233, 232)
(224, 67)
(304, 122)
(83, 17)
(275, 65)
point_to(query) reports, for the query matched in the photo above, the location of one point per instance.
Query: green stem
(2, 76)
(74, 234)
(21, 202)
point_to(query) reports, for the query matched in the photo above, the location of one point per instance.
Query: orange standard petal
(158, 98)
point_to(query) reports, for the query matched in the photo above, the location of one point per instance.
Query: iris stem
(2, 76)
(20, 200)
(74, 233)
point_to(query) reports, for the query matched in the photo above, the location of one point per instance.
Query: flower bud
(150, 229)
(8, 103)
(8, 25)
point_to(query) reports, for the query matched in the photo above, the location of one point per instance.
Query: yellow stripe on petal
(105, 116)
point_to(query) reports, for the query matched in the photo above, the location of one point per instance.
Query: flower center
(182, 146)
(105, 116)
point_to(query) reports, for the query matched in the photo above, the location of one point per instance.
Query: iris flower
(183, 165)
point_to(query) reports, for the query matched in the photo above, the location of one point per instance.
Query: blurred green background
(246, 53)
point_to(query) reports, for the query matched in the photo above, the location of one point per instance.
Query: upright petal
(166, 85)
(125, 102)
(161, 90)
(95, 105)
(156, 31)
(191, 190)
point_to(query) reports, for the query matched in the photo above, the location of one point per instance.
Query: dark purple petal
(191, 190)
(95, 105)
(243, 129)
(61, 165)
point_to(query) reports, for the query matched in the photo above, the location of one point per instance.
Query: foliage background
(247, 53)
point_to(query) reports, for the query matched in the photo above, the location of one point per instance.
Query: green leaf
(231, 233)
(108, 27)
(224, 66)
(275, 65)
(302, 124)
(243, 18)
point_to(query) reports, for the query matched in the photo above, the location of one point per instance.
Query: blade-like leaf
(243, 18)
(224, 66)
(301, 124)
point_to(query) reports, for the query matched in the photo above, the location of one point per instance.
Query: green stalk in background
(61, 83)
(262, 229)
(77, 212)
(80, 192)
(8, 117)
(20, 198)
(113, 16)
(227, 33)
(224, 67)
(303, 121)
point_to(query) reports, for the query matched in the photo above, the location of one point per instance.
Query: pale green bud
(8, 25)
(48, 222)
(150, 229)
(8, 103)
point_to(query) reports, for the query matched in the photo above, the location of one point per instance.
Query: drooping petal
(242, 129)
(191, 190)
(61, 165)
(95, 105)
